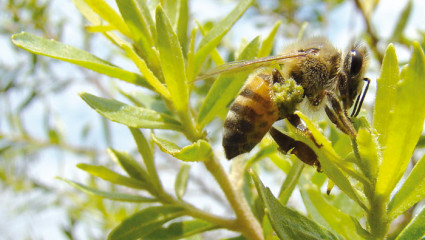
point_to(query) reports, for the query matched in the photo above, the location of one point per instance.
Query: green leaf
(386, 94)
(110, 195)
(131, 116)
(180, 184)
(133, 168)
(332, 164)
(182, 24)
(290, 182)
(225, 88)
(411, 192)
(67, 53)
(287, 223)
(415, 229)
(369, 153)
(267, 45)
(198, 151)
(141, 33)
(144, 222)
(111, 176)
(407, 119)
(172, 61)
(326, 214)
(136, 23)
(102, 8)
(146, 151)
(180, 230)
(147, 73)
(402, 22)
(213, 38)
(146, 14)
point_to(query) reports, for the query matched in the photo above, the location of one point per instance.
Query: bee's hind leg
(301, 150)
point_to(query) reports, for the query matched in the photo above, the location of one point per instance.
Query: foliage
(169, 61)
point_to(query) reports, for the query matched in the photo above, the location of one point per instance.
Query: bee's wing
(238, 66)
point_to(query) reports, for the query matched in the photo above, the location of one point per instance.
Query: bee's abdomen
(250, 117)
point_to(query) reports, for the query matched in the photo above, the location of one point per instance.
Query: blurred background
(46, 129)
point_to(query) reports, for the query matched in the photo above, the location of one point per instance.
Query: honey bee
(311, 71)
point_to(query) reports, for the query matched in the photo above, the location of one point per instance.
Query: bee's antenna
(357, 106)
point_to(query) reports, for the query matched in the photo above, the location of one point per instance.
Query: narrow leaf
(141, 33)
(386, 94)
(143, 223)
(147, 73)
(146, 151)
(180, 184)
(198, 151)
(415, 229)
(182, 24)
(213, 38)
(111, 176)
(102, 8)
(332, 164)
(225, 88)
(67, 53)
(369, 153)
(133, 168)
(129, 115)
(407, 119)
(411, 192)
(180, 230)
(290, 182)
(110, 195)
(267, 45)
(326, 214)
(287, 223)
(402, 22)
(172, 61)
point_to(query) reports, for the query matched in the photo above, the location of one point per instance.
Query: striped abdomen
(250, 116)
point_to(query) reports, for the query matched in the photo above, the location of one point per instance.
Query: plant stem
(377, 218)
(246, 223)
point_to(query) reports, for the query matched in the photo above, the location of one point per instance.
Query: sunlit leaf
(180, 230)
(102, 8)
(214, 36)
(407, 118)
(326, 214)
(182, 178)
(172, 61)
(369, 153)
(111, 176)
(386, 94)
(143, 223)
(267, 45)
(411, 192)
(287, 223)
(110, 195)
(67, 53)
(129, 115)
(415, 229)
(133, 168)
(198, 151)
(332, 164)
(225, 88)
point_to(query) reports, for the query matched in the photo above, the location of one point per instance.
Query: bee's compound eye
(356, 62)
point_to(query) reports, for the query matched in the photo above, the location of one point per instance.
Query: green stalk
(377, 218)
(246, 223)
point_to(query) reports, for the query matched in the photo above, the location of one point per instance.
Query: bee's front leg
(339, 116)
(301, 150)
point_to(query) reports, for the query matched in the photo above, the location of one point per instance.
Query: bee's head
(354, 67)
